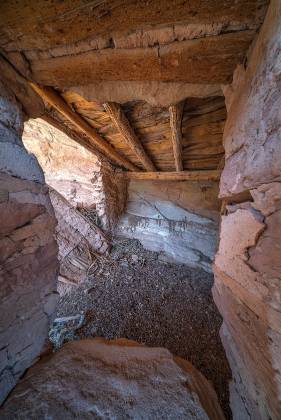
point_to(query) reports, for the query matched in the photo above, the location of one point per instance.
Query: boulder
(116, 379)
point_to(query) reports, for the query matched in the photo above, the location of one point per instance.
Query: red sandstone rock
(253, 127)
(112, 379)
(247, 266)
(28, 251)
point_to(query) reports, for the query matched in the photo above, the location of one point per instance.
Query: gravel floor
(134, 294)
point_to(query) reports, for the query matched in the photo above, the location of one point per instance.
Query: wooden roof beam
(176, 112)
(207, 175)
(54, 99)
(121, 122)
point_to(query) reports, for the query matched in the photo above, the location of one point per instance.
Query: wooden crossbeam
(207, 175)
(54, 99)
(121, 122)
(175, 124)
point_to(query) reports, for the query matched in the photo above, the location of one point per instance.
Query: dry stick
(66, 280)
(206, 175)
(121, 122)
(54, 99)
(176, 112)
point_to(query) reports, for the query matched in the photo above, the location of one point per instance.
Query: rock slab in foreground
(112, 379)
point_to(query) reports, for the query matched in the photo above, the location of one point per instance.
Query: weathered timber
(212, 175)
(55, 100)
(121, 122)
(206, 60)
(202, 128)
(175, 124)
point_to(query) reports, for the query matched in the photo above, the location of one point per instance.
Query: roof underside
(142, 55)
(202, 128)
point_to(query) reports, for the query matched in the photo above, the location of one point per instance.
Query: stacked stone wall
(28, 251)
(247, 266)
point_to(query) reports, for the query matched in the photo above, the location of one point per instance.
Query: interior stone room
(140, 209)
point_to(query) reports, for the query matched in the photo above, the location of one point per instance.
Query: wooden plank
(121, 122)
(54, 99)
(213, 175)
(175, 124)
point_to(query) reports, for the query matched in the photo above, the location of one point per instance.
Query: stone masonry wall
(111, 193)
(247, 266)
(28, 251)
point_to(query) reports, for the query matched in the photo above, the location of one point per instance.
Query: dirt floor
(134, 294)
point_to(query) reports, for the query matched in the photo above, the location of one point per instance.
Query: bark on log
(176, 112)
(121, 122)
(210, 175)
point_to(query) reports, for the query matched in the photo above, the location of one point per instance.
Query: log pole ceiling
(55, 100)
(158, 57)
(176, 112)
(99, 144)
(121, 122)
